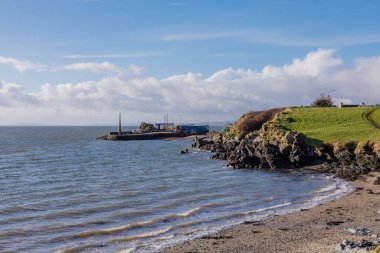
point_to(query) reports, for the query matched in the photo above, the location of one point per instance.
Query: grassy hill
(334, 124)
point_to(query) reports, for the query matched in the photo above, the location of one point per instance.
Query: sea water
(61, 190)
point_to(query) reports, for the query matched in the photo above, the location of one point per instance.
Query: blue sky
(160, 39)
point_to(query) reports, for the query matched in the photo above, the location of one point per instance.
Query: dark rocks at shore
(182, 152)
(272, 147)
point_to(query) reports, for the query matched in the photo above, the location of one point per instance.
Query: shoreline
(318, 229)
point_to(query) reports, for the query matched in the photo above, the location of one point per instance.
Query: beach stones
(359, 231)
(361, 247)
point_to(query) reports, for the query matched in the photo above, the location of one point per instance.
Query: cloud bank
(224, 95)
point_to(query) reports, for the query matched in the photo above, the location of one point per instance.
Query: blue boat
(194, 129)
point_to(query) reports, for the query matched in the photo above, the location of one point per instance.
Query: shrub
(147, 127)
(323, 101)
(252, 121)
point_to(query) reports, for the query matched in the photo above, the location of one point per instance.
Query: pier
(150, 132)
(142, 136)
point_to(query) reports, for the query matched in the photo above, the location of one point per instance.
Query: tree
(323, 101)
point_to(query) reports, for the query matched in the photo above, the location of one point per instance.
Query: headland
(343, 142)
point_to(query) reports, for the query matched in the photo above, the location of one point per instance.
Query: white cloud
(94, 67)
(20, 65)
(103, 67)
(14, 95)
(314, 64)
(224, 95)
(135, 70)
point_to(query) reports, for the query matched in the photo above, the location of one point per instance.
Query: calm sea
(63, 191)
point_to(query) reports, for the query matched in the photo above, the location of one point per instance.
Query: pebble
(359, 231)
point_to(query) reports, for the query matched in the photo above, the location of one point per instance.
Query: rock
(377, 181)
(359, 231)
(334, 223)
(351, 230)
(183, 151)
(363, 246)
(272, 147)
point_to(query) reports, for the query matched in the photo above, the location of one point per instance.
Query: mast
(119, 123)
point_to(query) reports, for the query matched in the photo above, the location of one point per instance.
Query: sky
(80, 62)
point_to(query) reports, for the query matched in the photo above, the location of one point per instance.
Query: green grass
(374, 117)
(334, 124)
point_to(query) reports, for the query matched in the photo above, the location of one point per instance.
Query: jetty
(149, 131)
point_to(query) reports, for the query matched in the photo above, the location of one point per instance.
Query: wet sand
(317, 230)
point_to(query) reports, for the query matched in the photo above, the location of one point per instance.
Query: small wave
(82, 247)
(113, 230)
(166, 237)
(327, 188)
(189, 212)
(268, 208)
(140, 236)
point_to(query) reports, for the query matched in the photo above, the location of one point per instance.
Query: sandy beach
(317, 230)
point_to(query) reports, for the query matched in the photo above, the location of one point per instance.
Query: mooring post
(119, 123)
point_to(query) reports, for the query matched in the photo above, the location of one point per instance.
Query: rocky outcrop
(272, 147)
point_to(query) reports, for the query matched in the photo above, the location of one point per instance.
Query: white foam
(268, 208)
(129, 250)
(154, 233)
(327, 188)
(189, 212)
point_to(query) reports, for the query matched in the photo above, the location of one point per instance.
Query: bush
(323, 101)
(147, 127)
(252, 121)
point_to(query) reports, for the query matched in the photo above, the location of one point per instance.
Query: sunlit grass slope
(334, 124)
